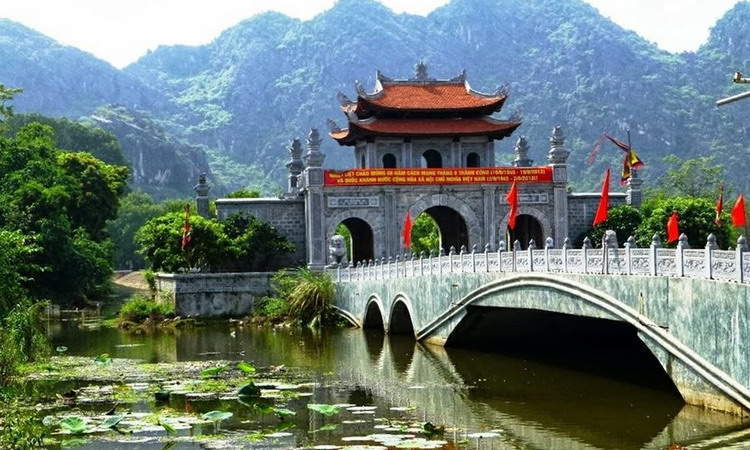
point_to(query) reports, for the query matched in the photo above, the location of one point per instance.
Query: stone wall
(582, 209)
(214, 294)
(286, 215)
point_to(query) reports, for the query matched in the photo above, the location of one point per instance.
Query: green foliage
(22, 338)
(20, 428)
(425, 235)
(140, 308)
(623, 219)
(6, 110)
(239, 243)
(696, 219)
(159, 241)
(62, 201)
(311, 296)
(79, 136)
(274, 309)
(694, 177)
(244, 193)
(322, 408)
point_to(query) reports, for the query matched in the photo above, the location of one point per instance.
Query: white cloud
(121, 31)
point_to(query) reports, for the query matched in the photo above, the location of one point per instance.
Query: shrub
(311, 296)
(22, 339)
(274, 309)
(623, 220)
(696, 219)
(140, 308)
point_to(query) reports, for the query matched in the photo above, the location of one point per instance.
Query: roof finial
(420, 71)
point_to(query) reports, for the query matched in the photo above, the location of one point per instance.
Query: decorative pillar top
(557, 152)
(522, 153)
(314, 157)
(202, 188)
(295, 164)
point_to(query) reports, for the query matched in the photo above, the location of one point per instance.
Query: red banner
(464, 175)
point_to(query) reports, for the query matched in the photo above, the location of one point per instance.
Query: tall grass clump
(139, 309)
(301, 296)
(22, 339)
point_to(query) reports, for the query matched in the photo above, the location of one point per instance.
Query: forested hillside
(270, 78)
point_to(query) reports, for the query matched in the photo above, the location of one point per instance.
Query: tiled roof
(426, 127)
(429, 96)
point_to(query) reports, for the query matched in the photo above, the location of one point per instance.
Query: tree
(696, 219)
(159, 241)
(255, 245)
(696, 177)
(62, 201)
(425, 235)
(244, 193)
(6, 95)
(623, 220)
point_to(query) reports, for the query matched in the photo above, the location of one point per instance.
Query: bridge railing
(682, 261)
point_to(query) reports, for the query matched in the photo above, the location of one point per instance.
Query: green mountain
(270, 78)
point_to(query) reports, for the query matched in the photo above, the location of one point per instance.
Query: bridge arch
(451, 214)
(545, 292)
(401, 317)
(374, 317)
(541, 218)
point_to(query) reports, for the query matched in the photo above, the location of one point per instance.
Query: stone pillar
(558, 158)
(521, 151)
(201, 196)
(370, 159)
(634, 195)
(295, 167)
(490, 160)
(490, 222)
(314, 203)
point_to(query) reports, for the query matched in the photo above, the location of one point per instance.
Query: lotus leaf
(75, 425)
(326, 410)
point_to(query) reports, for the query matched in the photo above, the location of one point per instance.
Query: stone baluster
(441, 254)
(474, 258)
(711, 245)
(500, 250)
(398, 266)
(742, 247)
(679, 255)
(413, 264)
(451, 252)
(421, 264)
(586, 247)
(382, 268)
(655, 245)
(629, 245)
(565, 247)
(338, 272)
(487, 257)
(516, 249)
(388, 268)
(549, 243)
(532, 247)
(461, 254)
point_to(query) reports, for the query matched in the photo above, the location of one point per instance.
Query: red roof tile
(426, 96)
(426, 127)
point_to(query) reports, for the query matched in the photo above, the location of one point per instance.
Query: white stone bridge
(690, 307)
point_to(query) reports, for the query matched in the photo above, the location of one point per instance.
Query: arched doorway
(451, 228)
(432, 159)
(389, 161)
(527, 228)
(359, 239)
(373, 317)
(473, 160)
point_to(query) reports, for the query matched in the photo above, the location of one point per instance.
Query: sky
(120, 31)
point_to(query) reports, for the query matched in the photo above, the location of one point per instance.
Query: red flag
(719, 207)
(406, 232)
(512, 199)
(601, 211)
(186, 233)
(673, 228)
(738, 212)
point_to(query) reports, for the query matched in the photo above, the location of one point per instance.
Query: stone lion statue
(610, 239)
(337, 250)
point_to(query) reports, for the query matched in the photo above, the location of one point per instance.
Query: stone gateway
(424, 145)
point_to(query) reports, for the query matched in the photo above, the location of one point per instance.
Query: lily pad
(103, 360)
(249, 390)
(322, 408)
(212, 371)
(217, 416)
(112, 421)
(74, 425)
(283, 412)
(245, 368)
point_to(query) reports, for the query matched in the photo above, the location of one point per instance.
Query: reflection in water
(536, 404)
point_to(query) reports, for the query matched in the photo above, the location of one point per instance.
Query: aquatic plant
(74, 425)
(19, 427)
(245, 368)
(311, 296)
(212, 371)
(103, 360)
(139, 308)
(249, 390)
(322, 408)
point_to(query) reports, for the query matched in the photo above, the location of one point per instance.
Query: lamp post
(738, 79)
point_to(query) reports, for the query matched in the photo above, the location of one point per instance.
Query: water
(532, 404)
